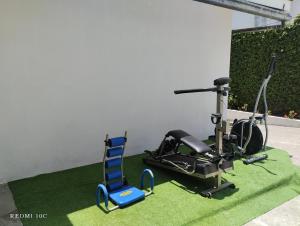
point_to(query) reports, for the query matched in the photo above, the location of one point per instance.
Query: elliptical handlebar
(272, 65)
(262, 91)
(213, 89)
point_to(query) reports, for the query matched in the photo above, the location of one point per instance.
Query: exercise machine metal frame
(203, 156)
(115, 187)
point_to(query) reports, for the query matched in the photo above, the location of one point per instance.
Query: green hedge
(250, 56)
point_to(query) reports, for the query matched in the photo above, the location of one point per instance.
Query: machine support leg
(209, 192)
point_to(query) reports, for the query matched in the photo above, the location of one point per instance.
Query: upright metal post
(219, 131)
(125, 135)
(219, 138)
(104, 158)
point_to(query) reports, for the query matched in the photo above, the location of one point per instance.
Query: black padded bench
(190, 141)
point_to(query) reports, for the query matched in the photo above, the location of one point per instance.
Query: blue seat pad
(126, 195)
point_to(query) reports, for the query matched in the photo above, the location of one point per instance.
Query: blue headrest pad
(117, 141)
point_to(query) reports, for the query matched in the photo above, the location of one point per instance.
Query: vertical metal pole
(242, 135)
(125, 135)
(219, 138)
(104, 158)
(219, 134)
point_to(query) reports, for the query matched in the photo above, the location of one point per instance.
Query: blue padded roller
(116, 141)
(113, 175)
(114, 152)
(115, 185)
(113, 162)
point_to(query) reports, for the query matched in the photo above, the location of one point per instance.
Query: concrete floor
(7, 207)
(288, 214)
(286, 138)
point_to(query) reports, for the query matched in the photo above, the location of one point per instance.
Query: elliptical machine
(249, 137)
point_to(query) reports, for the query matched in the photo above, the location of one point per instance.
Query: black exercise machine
(249, 137)
(203, 161)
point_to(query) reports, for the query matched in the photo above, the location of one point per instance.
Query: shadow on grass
(269, 171)
(197, 189)
(276, 185)
(194, 185)
(61, 193)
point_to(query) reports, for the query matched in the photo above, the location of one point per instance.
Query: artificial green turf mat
(68, 197)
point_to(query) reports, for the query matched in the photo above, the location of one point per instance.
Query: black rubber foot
(209, 193)
(255, 159)
(206, 194)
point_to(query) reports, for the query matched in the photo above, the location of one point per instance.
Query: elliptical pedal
(254, 159)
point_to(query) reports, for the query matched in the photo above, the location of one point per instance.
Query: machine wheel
(256, 140)
(232, 186)
(207, 194)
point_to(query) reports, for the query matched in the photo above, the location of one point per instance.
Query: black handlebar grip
(188, 91)
(178, 91)
(213, 89)
(272, 65)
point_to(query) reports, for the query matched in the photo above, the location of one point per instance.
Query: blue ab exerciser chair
(114, 187)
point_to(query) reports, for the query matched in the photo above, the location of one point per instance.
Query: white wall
(72, 70)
